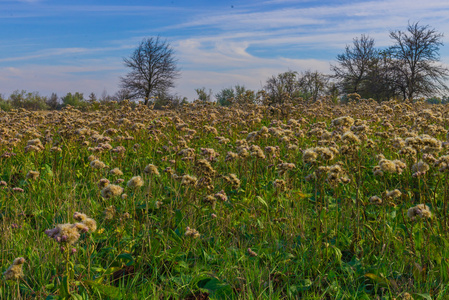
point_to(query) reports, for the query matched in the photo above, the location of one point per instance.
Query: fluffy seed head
(116, 172)
(420, 211)
(375, 200)
(111, 190)
(97, 164)
(33, 175)
(135, 182)
(15, 271)
(151, 169)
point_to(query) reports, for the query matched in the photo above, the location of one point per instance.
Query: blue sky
(68, 46)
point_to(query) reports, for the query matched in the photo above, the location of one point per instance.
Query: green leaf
(48, 170)
(338, 253)
(377, 279)
(216, 287)
(107, 290)
(111, 270)
(423, 296)
(178, 217)
(63, 291)
(76, 296)
(262, 201)
(126, 257)
(304, 285)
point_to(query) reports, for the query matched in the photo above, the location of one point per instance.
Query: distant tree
(76, 100)
(224, 96)
(416, 61)
(53, 101)
(166, 101)
(92, 98)
(203, 95)
(313, 85)
(355, 64)
(236, 94)
(333, 91)
(5, 104)
(281, 86)
(28, 100)
(122, 94)
(105, 97)
(153, 69)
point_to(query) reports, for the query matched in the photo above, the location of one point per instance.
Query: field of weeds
(316, 201)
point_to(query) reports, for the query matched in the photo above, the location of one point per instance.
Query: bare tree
(52, 102)
(416, 55)
(282, 85)
(122, 94)
(354, 65)
(313, 84)
(153, 69)
(382, 81)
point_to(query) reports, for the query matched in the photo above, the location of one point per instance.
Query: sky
(78, 46)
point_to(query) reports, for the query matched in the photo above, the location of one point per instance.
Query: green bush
(28, 100)
(76, 100)
(5, 105)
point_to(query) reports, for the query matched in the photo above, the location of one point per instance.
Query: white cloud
(96, 76)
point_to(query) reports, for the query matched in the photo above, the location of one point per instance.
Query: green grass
(313, 240)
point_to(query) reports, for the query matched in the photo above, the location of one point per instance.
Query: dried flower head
(221, 195)
(33, 175)
(15, 271)
(79, 216)
(350, 137)
(97, 164)
(111, 190)
(375, 200)
(420, 211)
(188, 180)
(91, 224)
(103, 183)
(280, 185)
(192, 232)
(309, 155)
(393, 194)
(421, 167)
(116, 172)
(232, 180)
(387, 165)
(109, 212)
(251, 253)
(67, 233)
(135, 182)
(151, 169)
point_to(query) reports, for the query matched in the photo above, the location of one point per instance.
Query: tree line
(35, 101)
(407, 69)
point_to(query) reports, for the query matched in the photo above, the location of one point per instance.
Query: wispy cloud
(60, 52)
(96, 76)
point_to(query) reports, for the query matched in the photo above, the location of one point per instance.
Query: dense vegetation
(316, 201)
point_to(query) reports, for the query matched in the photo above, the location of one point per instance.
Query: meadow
(295, 201)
